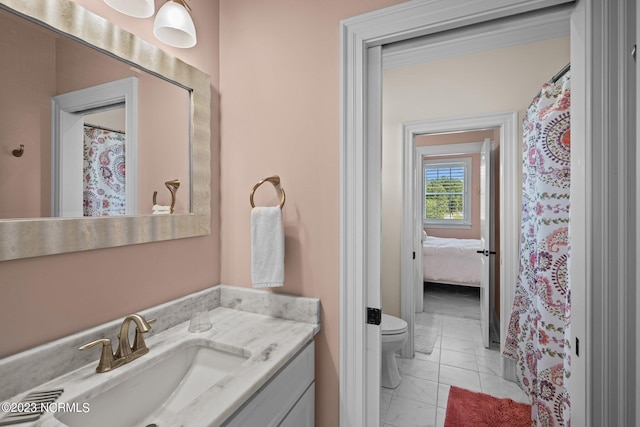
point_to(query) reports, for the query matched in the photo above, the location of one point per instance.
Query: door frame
(89, 100)
(601, 70)
(509, 202)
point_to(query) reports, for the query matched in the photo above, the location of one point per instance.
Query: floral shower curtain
(104, 172)
(538, 336)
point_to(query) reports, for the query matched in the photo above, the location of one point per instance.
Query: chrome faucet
(125, 352)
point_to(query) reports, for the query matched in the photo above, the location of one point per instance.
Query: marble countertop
(268, 341)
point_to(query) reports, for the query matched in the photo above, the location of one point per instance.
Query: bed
(451, 261)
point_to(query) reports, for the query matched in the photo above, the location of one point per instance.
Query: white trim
(637, 325)
(450, 149)
(444, 225)
(373, 239)
(509, 202)
(79, 101)
(609, 350)
(527, 29)
(392, 24)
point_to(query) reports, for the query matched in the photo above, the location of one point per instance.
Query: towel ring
(275, 180)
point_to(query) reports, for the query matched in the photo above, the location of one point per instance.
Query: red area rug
(470, 409)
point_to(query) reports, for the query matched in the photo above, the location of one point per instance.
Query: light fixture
(173, 25)
(135, 8)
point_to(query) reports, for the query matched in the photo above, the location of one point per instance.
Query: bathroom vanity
(254, 367)
(286, 401)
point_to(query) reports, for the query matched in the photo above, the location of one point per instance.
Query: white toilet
(394, 335)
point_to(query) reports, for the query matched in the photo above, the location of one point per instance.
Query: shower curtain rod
(105, 128)
(561, 73)
(557, 76)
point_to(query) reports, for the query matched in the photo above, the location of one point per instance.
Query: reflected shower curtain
(103, 172)
(538, 336)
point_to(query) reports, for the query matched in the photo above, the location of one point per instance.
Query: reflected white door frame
(67, 141)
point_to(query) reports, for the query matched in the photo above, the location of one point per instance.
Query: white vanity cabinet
(287, 400)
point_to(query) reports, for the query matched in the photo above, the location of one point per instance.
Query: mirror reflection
(114, 148)
(104, 163)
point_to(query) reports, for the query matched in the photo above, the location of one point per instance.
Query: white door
(418, 205)
(485, 238)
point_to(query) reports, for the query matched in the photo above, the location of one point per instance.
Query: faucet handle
(139, 345)
(106, 357)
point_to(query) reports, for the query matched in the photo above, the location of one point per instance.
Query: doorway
(603, 109)
(361, 102)
(454, 270)
(511, 77)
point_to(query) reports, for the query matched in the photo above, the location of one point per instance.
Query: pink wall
(25, 118)
(279, 74)
(57, 295)
(279, 87)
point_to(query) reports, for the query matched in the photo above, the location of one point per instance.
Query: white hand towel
(267, 247)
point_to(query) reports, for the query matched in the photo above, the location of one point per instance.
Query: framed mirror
(24, 233)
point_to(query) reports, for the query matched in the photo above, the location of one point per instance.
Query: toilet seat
(391, 325)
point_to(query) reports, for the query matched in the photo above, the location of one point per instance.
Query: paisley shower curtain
(103, 172)
(538, 336)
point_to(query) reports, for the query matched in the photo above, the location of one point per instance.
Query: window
(447, 200)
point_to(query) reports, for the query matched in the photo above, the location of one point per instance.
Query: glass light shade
(173, 25)
(135, 8)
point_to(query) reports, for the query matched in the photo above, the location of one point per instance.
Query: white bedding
(456, 261)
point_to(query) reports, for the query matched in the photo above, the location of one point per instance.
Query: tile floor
(459, 359)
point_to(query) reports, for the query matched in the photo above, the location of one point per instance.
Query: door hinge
(414, 255)
(374, 316)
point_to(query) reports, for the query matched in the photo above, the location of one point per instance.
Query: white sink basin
(149, 395)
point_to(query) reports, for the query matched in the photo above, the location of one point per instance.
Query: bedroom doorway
(454, 205)
(502, 129)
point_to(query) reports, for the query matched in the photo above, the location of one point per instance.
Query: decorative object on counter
(173, 186)
(267, 240)
(18, 152)
(200, 322)
(125, 352)
(173, 24)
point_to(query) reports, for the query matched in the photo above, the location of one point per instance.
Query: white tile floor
(458, 359)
